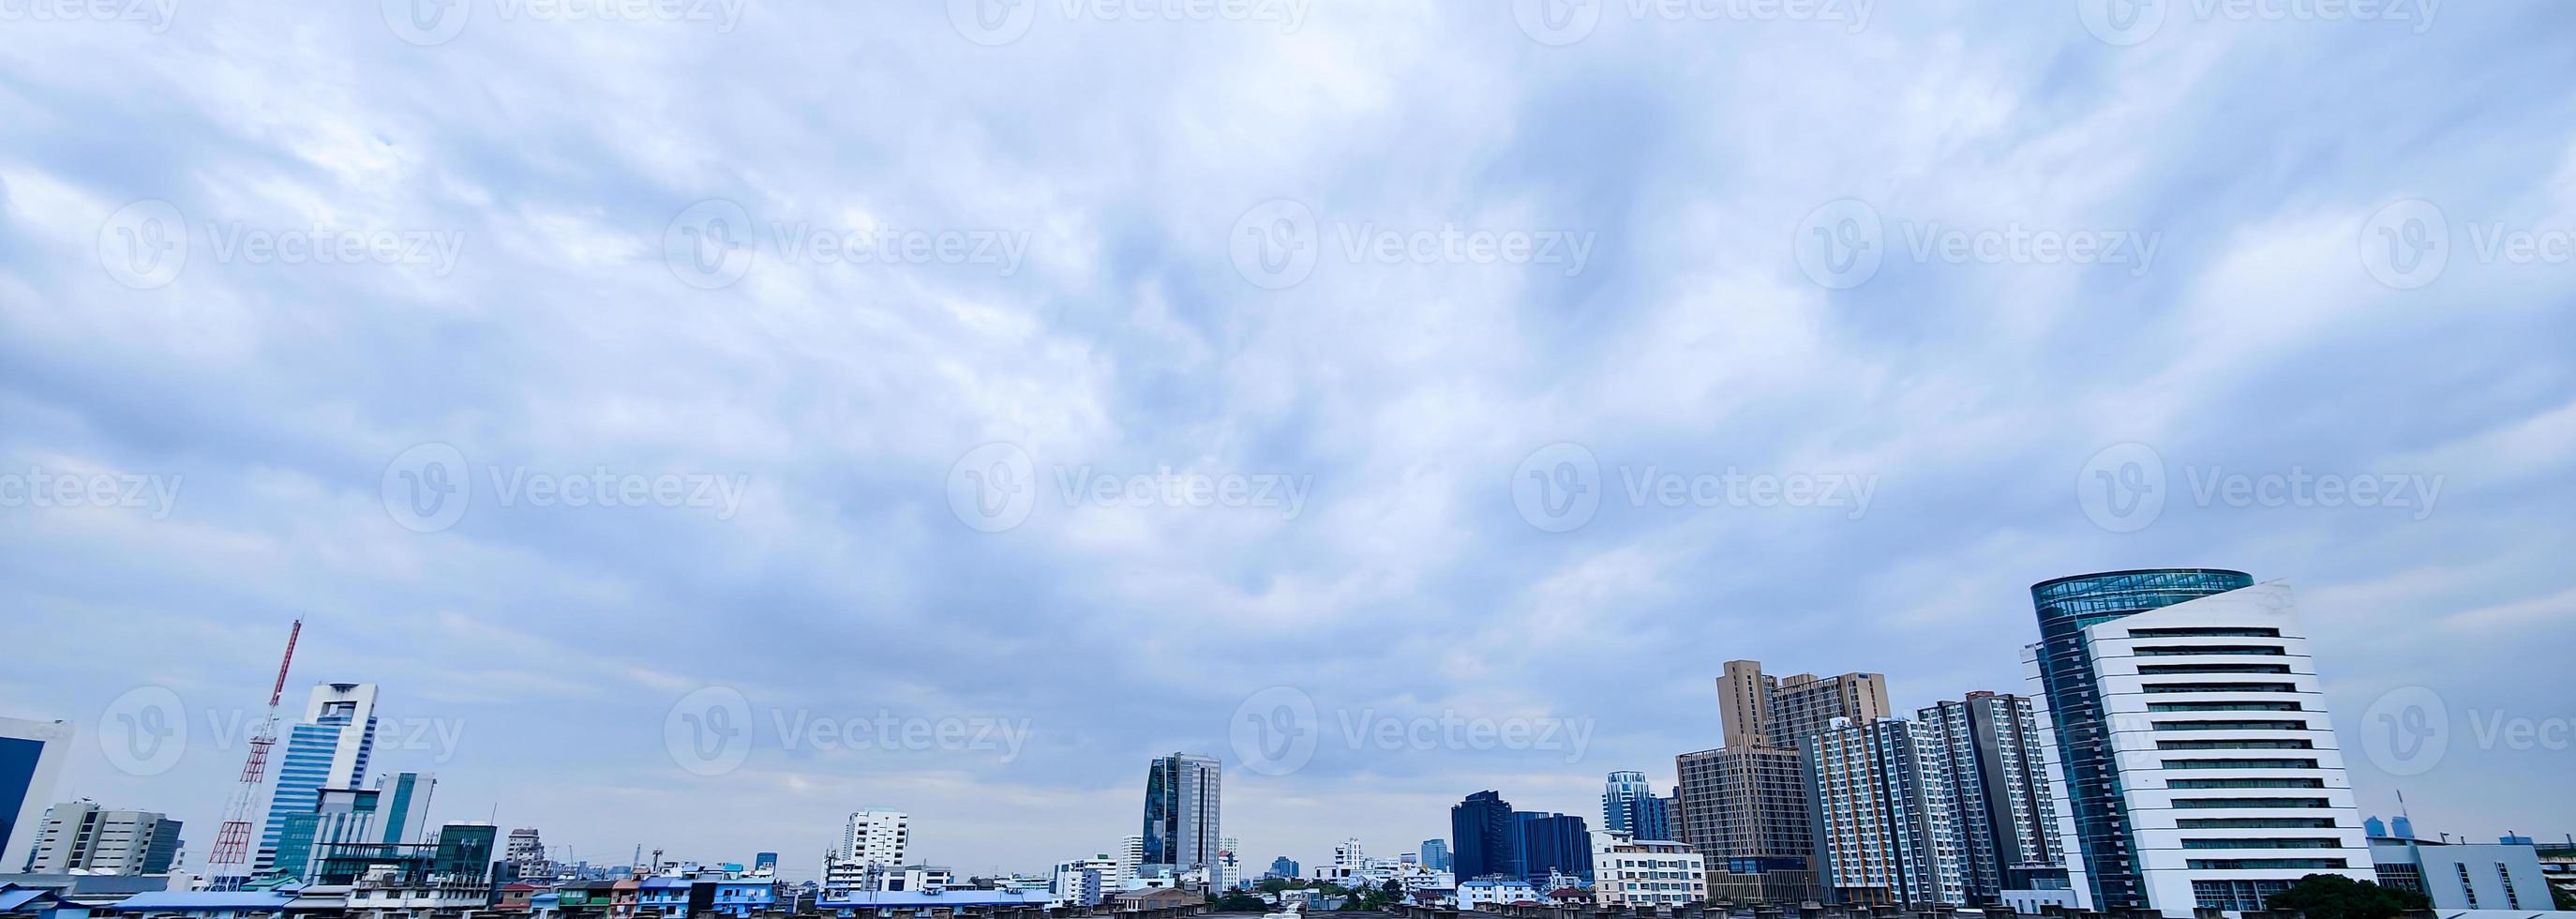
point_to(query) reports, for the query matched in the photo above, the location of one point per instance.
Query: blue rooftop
(185, 900)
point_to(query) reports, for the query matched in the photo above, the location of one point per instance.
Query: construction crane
(229, 864)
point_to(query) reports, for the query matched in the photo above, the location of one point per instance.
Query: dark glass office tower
(1482, 840)
(2066, 607)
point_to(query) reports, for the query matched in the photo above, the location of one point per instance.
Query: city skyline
(1453, 391)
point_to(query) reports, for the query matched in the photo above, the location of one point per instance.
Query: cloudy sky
(704, 419)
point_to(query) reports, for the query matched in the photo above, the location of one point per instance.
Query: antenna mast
(228, 865)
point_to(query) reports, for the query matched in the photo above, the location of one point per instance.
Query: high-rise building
(1746, 809)
(877, 837)
(395, 812)
(2008, 815)
(1184, 796)
(1131, 859)
(526, 852)
(1283, 867)
(1629, 805)
(1880, 799)
(1551, 844)
(31, 755)
(77, 836)
(464, 850)
(1435, 855)
(1227, 873)
(329, 749)
(1744, 805)
(1481, 837)
(2200, 763)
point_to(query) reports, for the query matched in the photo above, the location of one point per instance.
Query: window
(2272, 843)
(2467, 888)
(2220, 687)
(2267, 864)
(2244, 783)
(2224, 707)
(2235, 745)
(2256, 823)
(2249, 803)
(2204, 632)
(2179, 650)
(2240, 764)
(2282, 669)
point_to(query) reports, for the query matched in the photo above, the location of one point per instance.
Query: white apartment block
(877, 837)
(2226, 758)
(1646, 873)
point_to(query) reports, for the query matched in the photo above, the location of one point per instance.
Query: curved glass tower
(2066, 607)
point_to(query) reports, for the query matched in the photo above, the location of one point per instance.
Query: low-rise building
(2464, 876)
(1647, 873)
(1495, 890)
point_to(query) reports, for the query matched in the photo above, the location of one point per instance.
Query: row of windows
(2231, 725)
(2256, 823)
(2220, 687)
(2235, 745)
(2150, 669)
(2248, 803)
(2224, 707)
(2274, 843)
(2268, 864)
(2240, 764)
(2181, 650)
(2204, 632)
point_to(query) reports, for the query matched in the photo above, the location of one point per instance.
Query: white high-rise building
(31, 754)
(2201, 763)
(877, 837)
(1131, 860)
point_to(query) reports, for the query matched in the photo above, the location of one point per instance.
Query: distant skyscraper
(2185, 703)
(1184, 796)
(77, 836)
(1629, 805)
(1435, 855)
(1283, 867)
(31, 754)
(329, 749)
(526, 851)
(1482, 840)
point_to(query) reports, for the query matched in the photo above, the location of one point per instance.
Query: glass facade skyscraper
(2066, 606)
(330, 749)
(1183, 795)
(1629, 805)
(1481, 837)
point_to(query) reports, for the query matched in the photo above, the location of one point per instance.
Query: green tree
(2333, 896)
(1236, 901)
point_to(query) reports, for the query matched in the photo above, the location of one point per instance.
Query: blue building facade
(1435, 855)
(309, 762)
(2066, 607)
(1629, 805)
(1482, 838)
(1551, 843)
